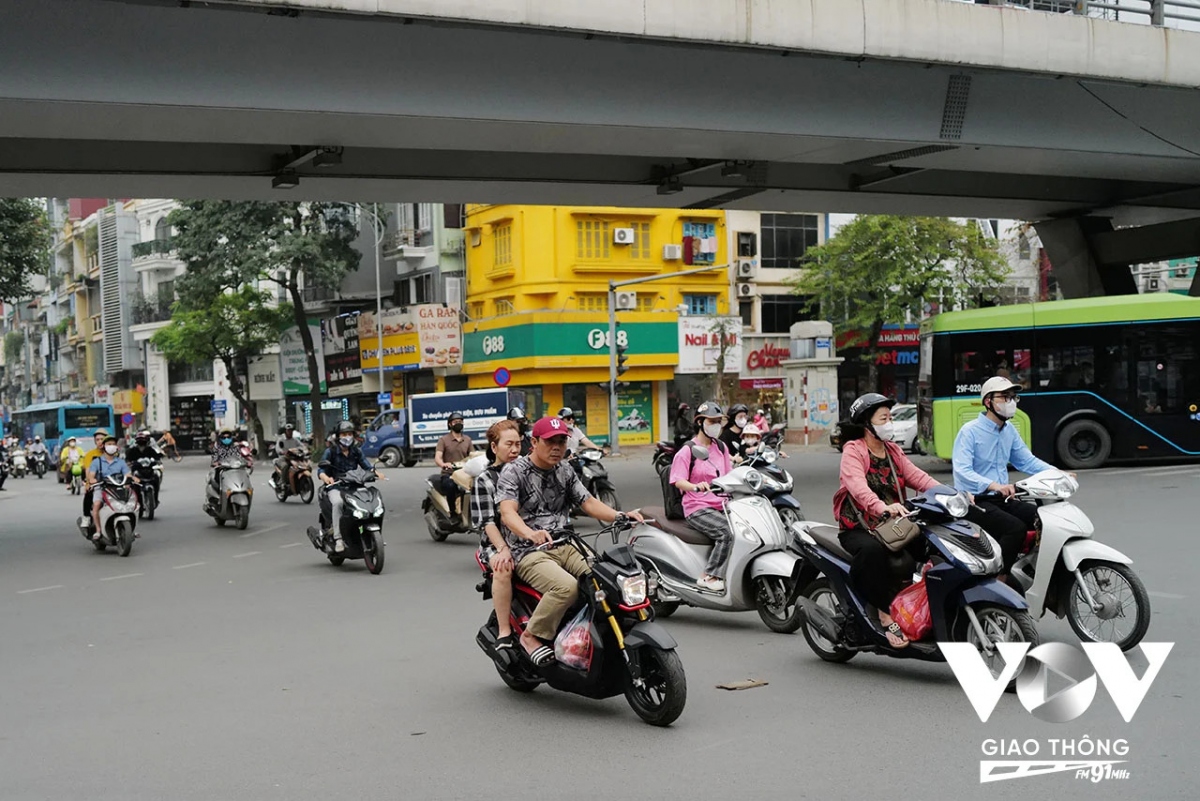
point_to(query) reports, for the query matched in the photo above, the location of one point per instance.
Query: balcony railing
(1169, 13)
(155, 247)
(97, 324)
(150, 311)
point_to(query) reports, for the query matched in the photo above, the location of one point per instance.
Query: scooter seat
(676, 528)
(827, 538)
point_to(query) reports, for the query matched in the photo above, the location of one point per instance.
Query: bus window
(1095, 359)
(1168, 371)
(976, 358)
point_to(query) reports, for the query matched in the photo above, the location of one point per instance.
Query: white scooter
(1068, 573)
(762, 570)
(19, 464)
(118, 515)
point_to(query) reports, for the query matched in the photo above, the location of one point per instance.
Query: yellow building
(537, 302)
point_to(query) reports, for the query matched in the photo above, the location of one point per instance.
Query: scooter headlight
(754, 480)
(633, 589)
(956, 505)
(1065, 487)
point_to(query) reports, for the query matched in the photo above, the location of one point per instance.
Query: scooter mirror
(699, 452)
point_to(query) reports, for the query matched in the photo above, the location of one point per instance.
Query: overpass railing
(1172, 13)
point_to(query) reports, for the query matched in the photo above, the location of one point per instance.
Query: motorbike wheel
(151, 503)
(435, 530)
(281, 493)
(781, 619)
(608, 496)
(1117, 587)
(124, 538)
(821, 594)
(307, 491)
(243, 517)
(514, 683)
(373, 556)
(1000, 624)
(391, 456)
(336, 559)
(660, 699)
(788, 516)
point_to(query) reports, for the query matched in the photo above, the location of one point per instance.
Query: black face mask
(457, 428)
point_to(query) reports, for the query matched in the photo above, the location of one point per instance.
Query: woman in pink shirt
(705, 511)
(874, 475)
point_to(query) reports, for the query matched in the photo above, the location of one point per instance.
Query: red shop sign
(761, 383)
(766, 357)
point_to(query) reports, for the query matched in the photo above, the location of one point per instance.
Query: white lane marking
(127, 575)
(185, 567)
(264, 530)
(40, 589)
(243, 555)
(1168, 595)
(291, 545)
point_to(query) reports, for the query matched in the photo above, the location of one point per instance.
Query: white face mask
(712, 430)
(1005, 409)
(110, 449)
(346, 441)
(740, 421)
(886, 431)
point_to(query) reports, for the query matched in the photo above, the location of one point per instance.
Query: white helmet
(751, 430)
(997, 384)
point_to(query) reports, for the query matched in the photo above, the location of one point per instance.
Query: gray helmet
(865, 405)
(708, 409)
(566, 412)
(516, 413)
(345, 427)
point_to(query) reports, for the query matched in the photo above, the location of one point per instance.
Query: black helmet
(345, 427)
(454, 416)
(738, 408)
(708, 409)
(864, 407)
(566, 412)
(516, 413)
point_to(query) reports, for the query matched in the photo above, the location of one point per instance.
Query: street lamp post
(613, 438)
(379, 227)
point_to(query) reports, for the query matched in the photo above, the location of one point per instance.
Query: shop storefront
(708, 347)
(761, 381)
(553, 359)
(896, 362)
(422, 346)
(192, 421)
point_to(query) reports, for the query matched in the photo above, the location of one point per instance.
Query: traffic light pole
(614, 440)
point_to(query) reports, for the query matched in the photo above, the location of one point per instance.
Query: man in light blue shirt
(983, 450)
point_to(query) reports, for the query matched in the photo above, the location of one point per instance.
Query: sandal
(506, 643)
(895, 630)
(542, 656)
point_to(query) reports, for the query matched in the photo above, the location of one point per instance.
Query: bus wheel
(1084, 445)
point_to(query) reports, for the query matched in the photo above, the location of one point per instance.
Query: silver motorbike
(232, 500)
(762, 570)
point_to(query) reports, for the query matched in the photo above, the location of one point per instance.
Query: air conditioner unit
(745, 290)
(626, 301)
(747, 270)
(672, 252)
(623, 236)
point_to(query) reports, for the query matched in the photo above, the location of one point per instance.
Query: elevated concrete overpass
(915, 106)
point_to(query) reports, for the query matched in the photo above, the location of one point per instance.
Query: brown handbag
(893, 533)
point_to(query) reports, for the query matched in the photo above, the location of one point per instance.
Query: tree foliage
(25, 241)
(878, 268)
(231, 245)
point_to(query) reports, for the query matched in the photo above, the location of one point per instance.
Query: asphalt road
(217, 664)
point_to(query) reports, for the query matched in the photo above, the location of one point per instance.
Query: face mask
(886, 431)
(1005, 409)
(456, 428)
(712, 430)
(226, 441)
(110, 449)
(346, 441)
(740, 421)
(750, 443)
(570, 424)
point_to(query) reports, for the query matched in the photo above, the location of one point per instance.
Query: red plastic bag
(910, 610)
(573, 645)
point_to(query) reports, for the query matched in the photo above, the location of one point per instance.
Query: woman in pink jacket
(874, 475)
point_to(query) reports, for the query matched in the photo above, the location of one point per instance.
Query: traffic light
(622, 358)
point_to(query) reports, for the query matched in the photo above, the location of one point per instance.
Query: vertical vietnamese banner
(597, 415)
(635, 414)
(294, 361)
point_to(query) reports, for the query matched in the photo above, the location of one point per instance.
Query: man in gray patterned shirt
(536, 494)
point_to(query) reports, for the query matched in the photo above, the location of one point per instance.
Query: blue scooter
(966, 601)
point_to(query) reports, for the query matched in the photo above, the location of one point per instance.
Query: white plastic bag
(573, 645)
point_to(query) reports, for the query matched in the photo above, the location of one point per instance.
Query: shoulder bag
(893, 532)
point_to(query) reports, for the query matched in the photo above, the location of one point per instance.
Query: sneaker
(712, 584)
(96, 537)
(339, 545)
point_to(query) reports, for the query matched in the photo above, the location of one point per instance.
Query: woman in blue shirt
(108, 464)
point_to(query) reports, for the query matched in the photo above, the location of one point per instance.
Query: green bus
(1112, 378)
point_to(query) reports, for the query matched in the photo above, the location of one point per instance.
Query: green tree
(877, 268)
(25, 241)
(230, 245)
(233, 327)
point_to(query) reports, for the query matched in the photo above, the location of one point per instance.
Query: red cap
(549, 427)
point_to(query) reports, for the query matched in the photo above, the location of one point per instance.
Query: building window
(504, 306)
(640, 249)
(592, 239)
(787, 237)
(502, 240)
(423, 288)
(700, 304)
(1024, 251)
(699, 243)
(475, 310)
(746, 311)
(645, 301)
(780, 311)
(592, 301)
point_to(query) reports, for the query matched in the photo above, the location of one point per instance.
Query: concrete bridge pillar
(1081, 274)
